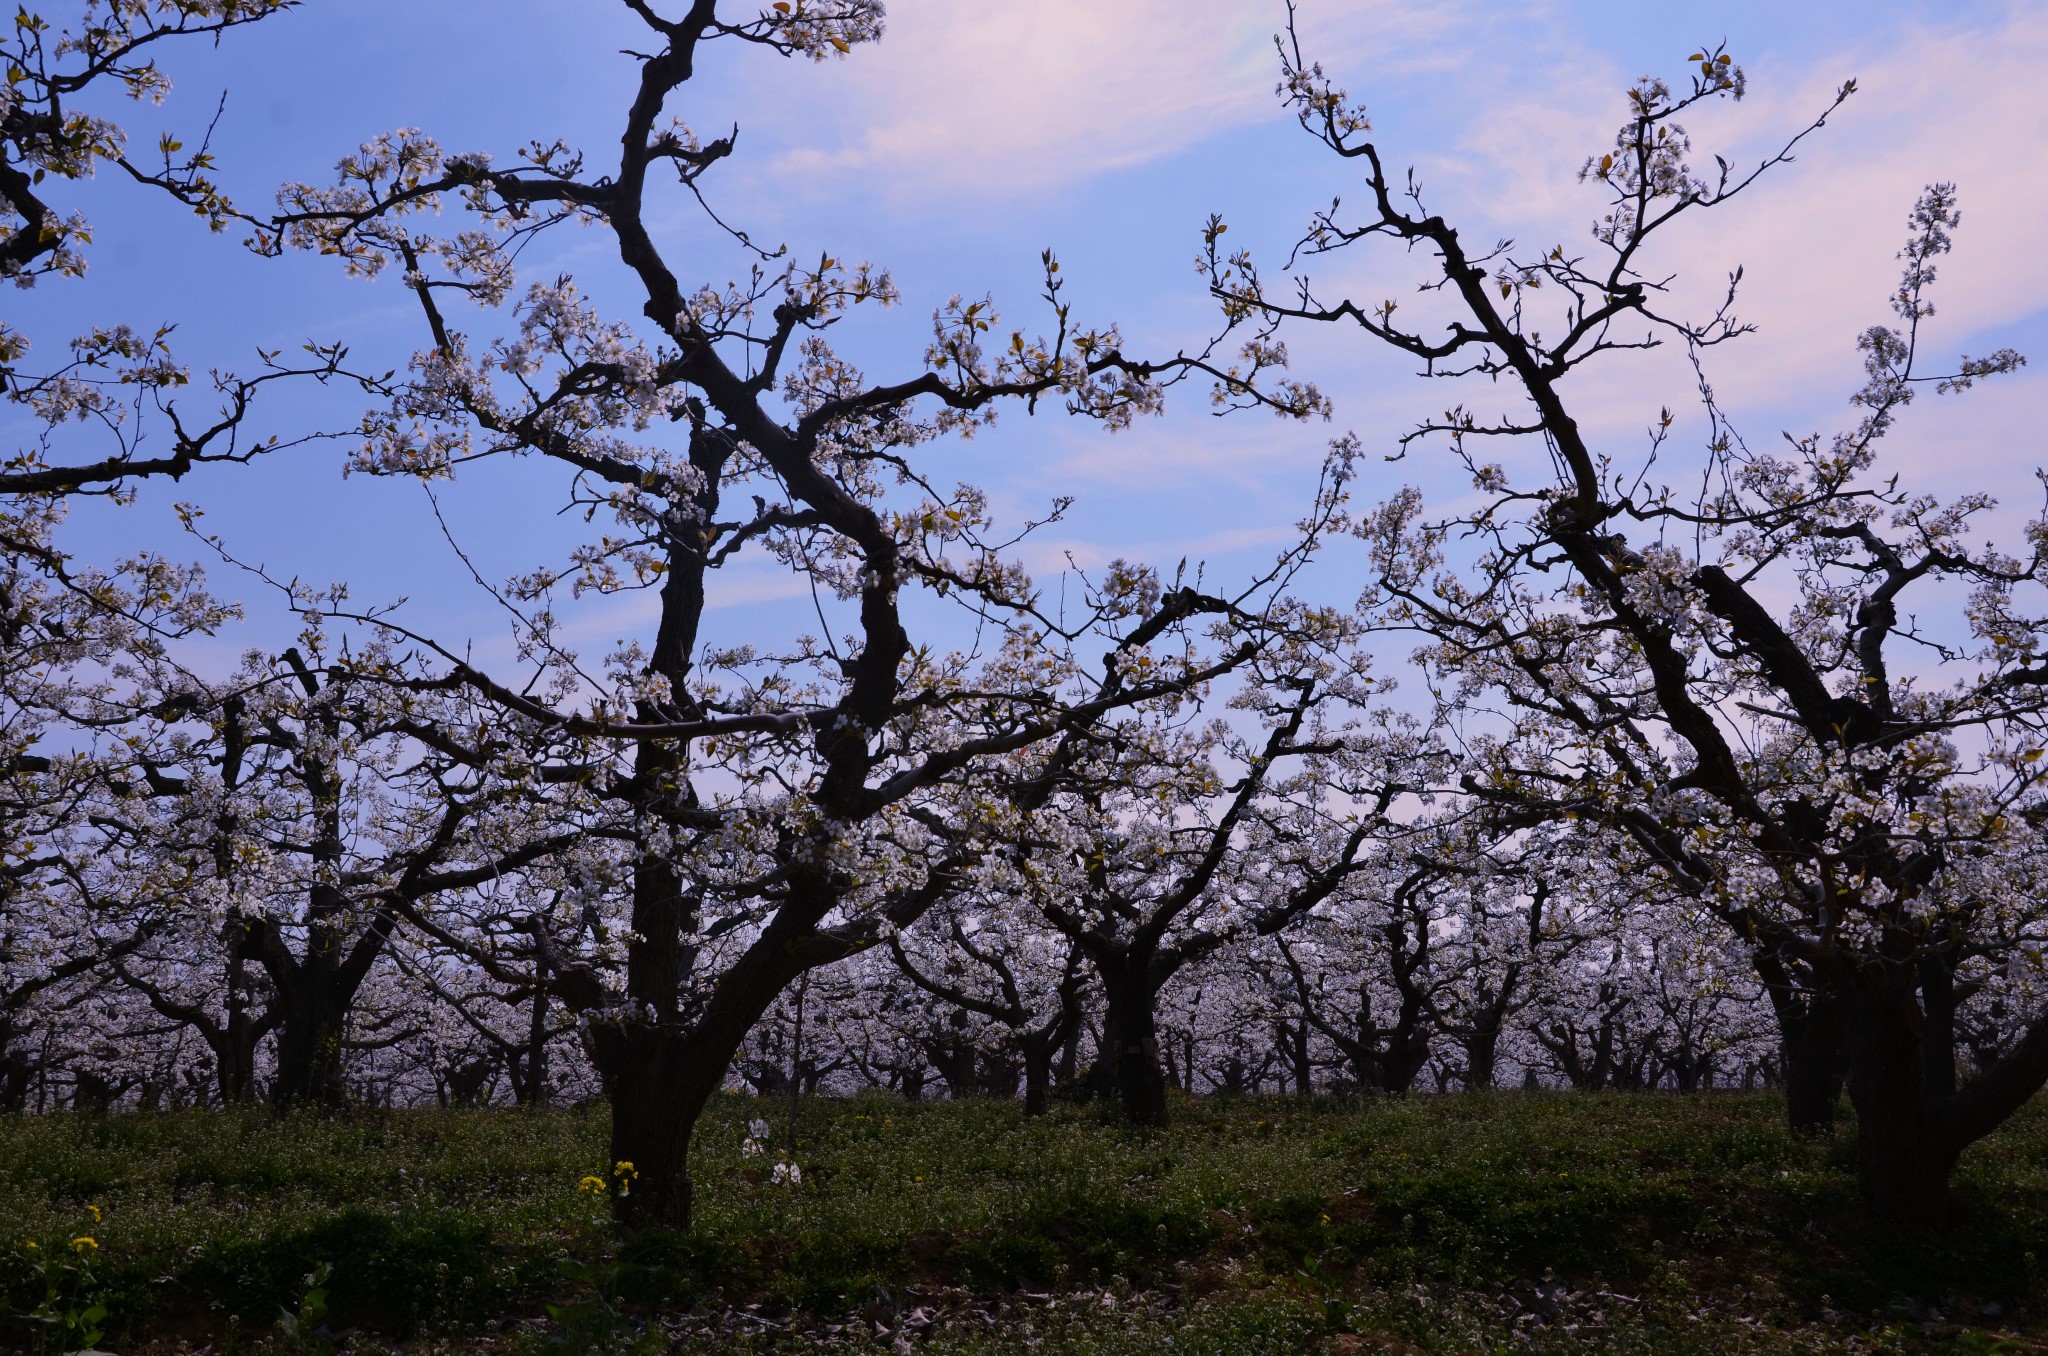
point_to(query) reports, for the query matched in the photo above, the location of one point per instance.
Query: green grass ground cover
(1516, 1222)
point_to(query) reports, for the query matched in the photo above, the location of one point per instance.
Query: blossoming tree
(1730, 677)
(778, 808)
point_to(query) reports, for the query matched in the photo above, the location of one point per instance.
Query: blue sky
(978, 133)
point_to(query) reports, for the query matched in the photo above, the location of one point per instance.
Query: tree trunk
(657, 1093)
(998, 1075)
(1938, 1030)
(465, 1084)
(955, 1061)
(530, 1066)
(1810, 1040)
(1812, 1048)
(17, 1069)
(309, 1065)
(317, 992)
(1685, 1069)
(92, 1093)
(1904, 1154)
(1365, 1065)
(1130, 1037)
(234, 1052)
(1408, 1055)
(1038, 1056)
(1392, 1064)
(1294, 1038)
(16, 1072)
(1482, 1055)
(659, 1079)
(1069, 1056)
(657, 1075)
(234, 1058)
(661, 1070)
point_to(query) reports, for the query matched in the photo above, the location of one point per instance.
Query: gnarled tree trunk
(1810, 1042)
(315, 997)
(1905, 1151)
(1128, 1067)
(1038, 1050)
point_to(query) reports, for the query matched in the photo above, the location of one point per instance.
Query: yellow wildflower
(85, 1243)
(593, 1185)
(94, 1211)
(625, 1172)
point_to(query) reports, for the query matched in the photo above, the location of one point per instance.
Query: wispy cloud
(1018, 99)
(1817, 239)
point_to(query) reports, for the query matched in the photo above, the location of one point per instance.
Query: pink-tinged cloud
(1816, 238)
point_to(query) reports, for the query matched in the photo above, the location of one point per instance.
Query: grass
(1517, 1222)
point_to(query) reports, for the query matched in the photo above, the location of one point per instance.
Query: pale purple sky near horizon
(977, 133)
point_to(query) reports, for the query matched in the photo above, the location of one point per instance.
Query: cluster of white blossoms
(755, 1145)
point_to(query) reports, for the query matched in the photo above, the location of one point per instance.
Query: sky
(979, 132)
